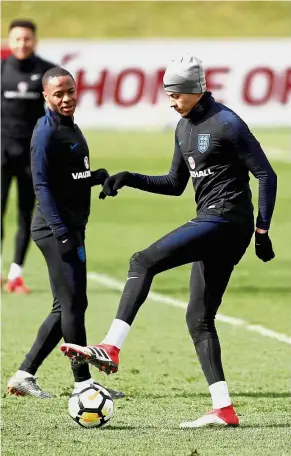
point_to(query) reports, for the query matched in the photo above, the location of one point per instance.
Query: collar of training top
(63, 120)
(201, 108)
(23, 64)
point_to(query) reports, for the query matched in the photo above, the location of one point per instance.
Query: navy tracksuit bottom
(214, 246)
(68, 279)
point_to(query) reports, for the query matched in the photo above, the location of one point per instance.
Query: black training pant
(15, 162)
(67, 318)
(215, 246)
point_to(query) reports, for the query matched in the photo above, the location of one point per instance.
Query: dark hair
(54, 73)
(23, 23)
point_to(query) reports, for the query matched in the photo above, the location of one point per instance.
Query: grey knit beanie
(185, 75)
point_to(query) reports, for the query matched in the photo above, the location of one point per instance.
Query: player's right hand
(264, 248)
(114, 183)
(99, 176)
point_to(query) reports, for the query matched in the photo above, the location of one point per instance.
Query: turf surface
(159, 370)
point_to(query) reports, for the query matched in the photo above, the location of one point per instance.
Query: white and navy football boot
(26, 387)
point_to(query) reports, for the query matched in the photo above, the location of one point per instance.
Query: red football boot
(225, 416)
(16, 285)
(104, 357)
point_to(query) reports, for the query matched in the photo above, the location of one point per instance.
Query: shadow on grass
(267, 290)
(176, 428)
(190, 395)
(127, 428)
(177, 292)
(249, 289)
(267, 394)
(264, 426)
(105, 291)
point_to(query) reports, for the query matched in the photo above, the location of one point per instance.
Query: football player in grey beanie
(216, 149)
(184, 80)
(185, 75)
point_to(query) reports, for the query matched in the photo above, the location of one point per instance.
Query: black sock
(209, 355)
(81, 372)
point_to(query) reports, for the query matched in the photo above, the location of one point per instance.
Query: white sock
(21, 375)
(117, 333)
(219, 395)
(14, 271)
(81, 385)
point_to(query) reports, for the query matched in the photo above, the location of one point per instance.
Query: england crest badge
(203, 142)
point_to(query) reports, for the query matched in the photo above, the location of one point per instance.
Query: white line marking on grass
(114, 284)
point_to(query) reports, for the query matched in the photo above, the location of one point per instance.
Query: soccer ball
(91, 407)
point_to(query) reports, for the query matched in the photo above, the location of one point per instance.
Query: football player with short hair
(62, 181)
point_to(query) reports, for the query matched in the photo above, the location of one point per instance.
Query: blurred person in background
(62, 182)
(216, 148)
(22, 104)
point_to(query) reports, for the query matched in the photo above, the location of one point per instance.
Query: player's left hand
(114, 183)
(99, 176)
(264, 248)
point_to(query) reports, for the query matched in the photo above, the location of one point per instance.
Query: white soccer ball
(91, 407)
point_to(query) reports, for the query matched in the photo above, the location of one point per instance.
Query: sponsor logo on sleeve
(81, 175)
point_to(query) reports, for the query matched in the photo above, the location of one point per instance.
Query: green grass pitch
(159, 371)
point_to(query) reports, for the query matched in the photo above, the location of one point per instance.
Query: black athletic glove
(264, 249)
(67, 247)
(99, 176)
(114, 183)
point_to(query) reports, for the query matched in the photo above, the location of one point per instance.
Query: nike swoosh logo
(72, 146)
(181, 142)
(64, 241)
(128, 278)
(93, 396)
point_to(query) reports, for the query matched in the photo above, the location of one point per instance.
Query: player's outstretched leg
(105, 356)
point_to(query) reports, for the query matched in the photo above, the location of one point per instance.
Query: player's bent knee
(200, 326)
(139, 262)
